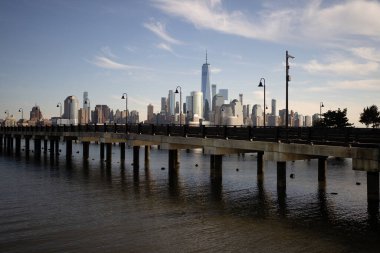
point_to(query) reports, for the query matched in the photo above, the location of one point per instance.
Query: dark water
(59, 206)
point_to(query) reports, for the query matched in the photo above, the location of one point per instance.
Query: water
(77, 206)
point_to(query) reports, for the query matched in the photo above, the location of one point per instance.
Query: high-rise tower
(206, 89)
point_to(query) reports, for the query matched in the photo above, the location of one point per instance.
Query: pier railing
(333, 136)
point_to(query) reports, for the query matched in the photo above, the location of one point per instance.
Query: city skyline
(52, 50)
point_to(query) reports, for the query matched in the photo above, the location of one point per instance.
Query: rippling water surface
(59, 206)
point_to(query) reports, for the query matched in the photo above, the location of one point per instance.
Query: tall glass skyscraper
(206, 89)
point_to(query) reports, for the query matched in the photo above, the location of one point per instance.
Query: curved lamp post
(320, 110)
(60, 109)
(125, 96)
(180, 103)
(262, 84)
(22, 113)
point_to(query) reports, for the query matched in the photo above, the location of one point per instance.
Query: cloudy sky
(51, 49)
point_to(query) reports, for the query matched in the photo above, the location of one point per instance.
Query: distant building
(101, 114)
(171, 102)
(71, 107)
(150, 114)
(308, 122)
(164, 105)
(257, 115)
(224, 93)
(213, 91)
(86, 108)
(206, 89)
(274, 109)
(134, 117)
(273, 120)
(197, 102)
(36, 114)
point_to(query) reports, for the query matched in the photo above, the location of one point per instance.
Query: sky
(51, 49)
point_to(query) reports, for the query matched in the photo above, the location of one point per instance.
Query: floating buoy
(292, 175)
(358, 183)
(77, 152)
(196, 165)
(237, 169)
(162, 168)
(334, 193)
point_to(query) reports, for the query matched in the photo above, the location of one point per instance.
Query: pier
(275, 144)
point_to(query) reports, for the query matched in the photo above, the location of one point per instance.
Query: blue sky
(51, 49)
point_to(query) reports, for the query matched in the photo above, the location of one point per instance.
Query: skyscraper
(274, 107)
(206, 89)
(224, 93)
(171, 102)
(71, 107)
(150, 115)
(163, 105)
(197, 102)
(213, 93)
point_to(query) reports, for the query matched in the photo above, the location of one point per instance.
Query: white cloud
(345, 67)
(368, 53)
(370, 85)
(107, 63)
(215, 70)
(362, 85)
(165, 47)
(160, 30)
(107, 52)
(335, 23)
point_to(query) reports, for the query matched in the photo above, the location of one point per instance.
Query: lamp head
(261, 84)
(322, 105)
(123, 97)
(176, 91)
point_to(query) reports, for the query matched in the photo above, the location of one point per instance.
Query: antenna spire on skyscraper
(206, 56)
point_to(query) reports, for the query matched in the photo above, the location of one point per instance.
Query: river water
(58, 206)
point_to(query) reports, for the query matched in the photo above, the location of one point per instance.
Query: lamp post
(60, 112)
(125, 96)
(22, 114)
(287, 85)
(180, 103)
(262, 84)
(320, 110)
(60, 109)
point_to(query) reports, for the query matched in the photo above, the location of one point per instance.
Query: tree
(337, 118)
(370, 115)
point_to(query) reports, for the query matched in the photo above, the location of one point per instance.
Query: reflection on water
(51, 204)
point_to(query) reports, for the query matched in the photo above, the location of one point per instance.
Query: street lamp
(320, 110)
(7, 113)
(287, 85)
(22, 113)
(60, 109)
(180, 103)
(261, 84)
(125, 96)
